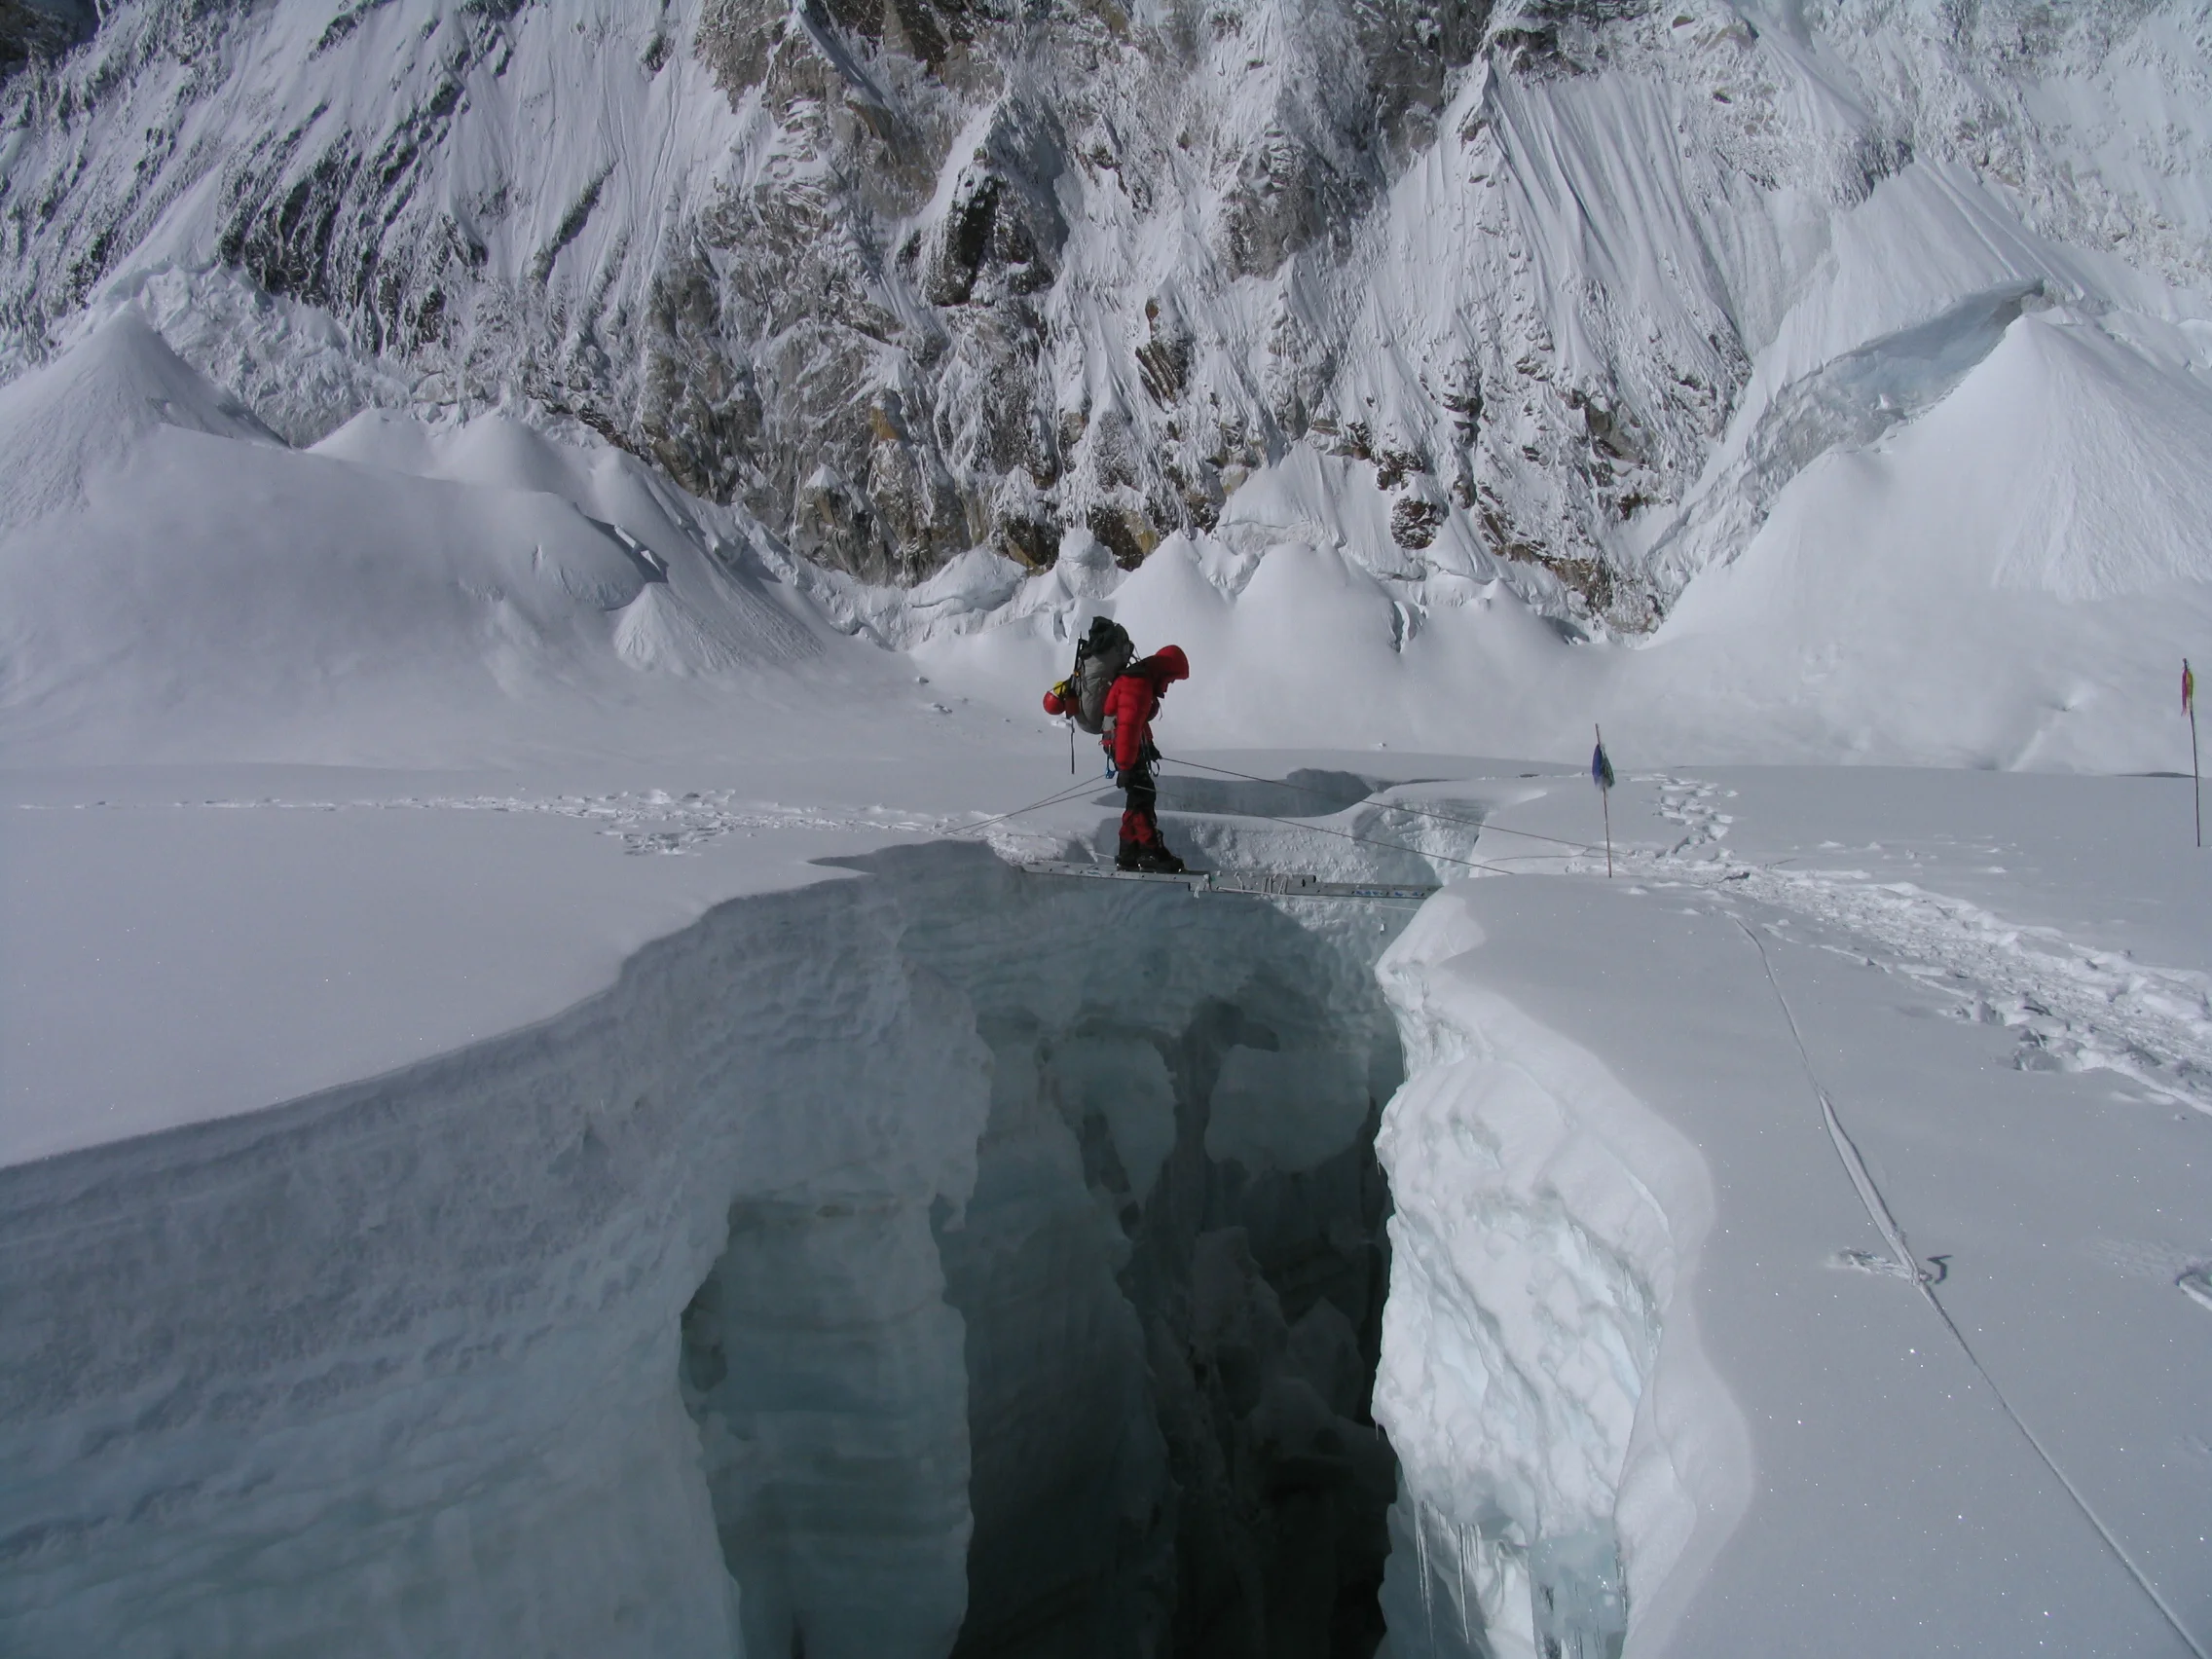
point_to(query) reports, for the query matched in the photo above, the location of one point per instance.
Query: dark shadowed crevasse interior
(1199, 1475)
(1169, 1276)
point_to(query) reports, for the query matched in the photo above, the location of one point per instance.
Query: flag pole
(1606, 796)
(2195, 779)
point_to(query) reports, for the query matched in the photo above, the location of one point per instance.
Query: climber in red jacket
(1130, 703)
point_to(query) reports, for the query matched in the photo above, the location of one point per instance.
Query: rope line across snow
(1885, 1224)
(1089, 784)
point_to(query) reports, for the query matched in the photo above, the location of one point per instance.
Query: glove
(1130, 778)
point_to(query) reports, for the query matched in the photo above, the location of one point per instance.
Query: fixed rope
(1089, 784)
(1387, 805)
(1371, 842)
(1885, 1223)
(1083, 788)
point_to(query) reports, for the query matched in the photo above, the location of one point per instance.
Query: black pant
(1140, 817)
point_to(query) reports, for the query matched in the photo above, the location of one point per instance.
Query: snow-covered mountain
(1569, 289)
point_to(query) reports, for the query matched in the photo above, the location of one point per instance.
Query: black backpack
(1100, 658)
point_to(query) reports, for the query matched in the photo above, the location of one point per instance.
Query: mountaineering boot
(1159, 861)
(1131, 856)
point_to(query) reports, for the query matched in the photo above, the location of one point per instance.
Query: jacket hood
(1170, 663)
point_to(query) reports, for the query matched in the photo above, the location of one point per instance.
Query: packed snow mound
(175, 583)
(2089, 475)
(615, 491)
(2012, 580)
(67, 422)
(499, 452)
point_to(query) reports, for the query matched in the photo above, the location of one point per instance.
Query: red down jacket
(1134, 698)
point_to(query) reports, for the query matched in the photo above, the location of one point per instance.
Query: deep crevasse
(517, 1350)
(393, 1369)
(940, 1261)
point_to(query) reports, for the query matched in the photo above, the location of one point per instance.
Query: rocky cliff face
(908, 277)
(41, 30)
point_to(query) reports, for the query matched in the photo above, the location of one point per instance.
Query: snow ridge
(1544, 1221)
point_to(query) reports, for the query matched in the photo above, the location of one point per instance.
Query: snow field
(2078, 1004)
(2029, 1426)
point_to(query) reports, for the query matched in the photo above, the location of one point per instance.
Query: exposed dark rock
(1392, 465)
(1414, 522)
(1034, 542)
(1286, 195)
(41, 30)
(1124, 533)
(962, 239)
(1535, 38)
(1165, 361)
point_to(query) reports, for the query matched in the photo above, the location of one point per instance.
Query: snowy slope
(180, 584)
(1567, 294)
(2010, 579)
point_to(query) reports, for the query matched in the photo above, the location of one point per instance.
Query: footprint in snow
(2196, 1285)
(1870, 1262)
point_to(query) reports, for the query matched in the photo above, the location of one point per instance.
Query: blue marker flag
(1600, 766)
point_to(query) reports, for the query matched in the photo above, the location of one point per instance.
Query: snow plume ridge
(1560, 1461)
